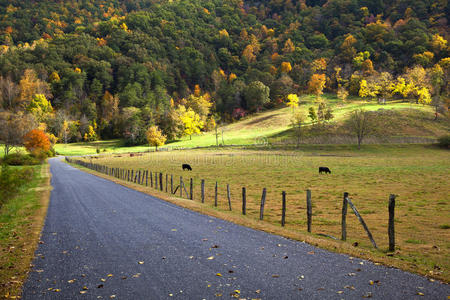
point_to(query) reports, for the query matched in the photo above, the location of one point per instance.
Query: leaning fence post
(344, 216)
(203, 190)
(391, 231)
(146, 178)
(362, 223)
(191, 188)
(244, 201)
(308, 209)
(283, 208)
(229, 196)
(171, 184)
(263, 202)
(215, 195)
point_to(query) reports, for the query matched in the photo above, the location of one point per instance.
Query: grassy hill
(399, 120)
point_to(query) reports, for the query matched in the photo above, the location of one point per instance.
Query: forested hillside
(97, 69)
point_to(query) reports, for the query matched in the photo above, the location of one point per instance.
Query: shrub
(37, 143)
(444, 141)
(11, 180)
(19, 159)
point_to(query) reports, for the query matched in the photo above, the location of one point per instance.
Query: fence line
(141, 177)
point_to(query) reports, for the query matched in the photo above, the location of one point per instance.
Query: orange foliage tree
(37, 142)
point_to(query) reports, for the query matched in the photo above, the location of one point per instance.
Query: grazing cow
(324, 169)
(186, 167)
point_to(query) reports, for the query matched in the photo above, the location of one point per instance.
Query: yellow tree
(155, 137)
(316, 84)
(292, 101)
(40, 107)
(286, 67)
(192, 122)
(30, 85)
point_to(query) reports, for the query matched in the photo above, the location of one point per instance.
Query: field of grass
(418, 174)
(272, 125)
(21, 220)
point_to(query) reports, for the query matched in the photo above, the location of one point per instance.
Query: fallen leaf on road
(368, 295)
(218, 274)
(39, 271)
(100, 286)
(275, 275)
(218, 295)
(214, 246)
(141, 262)
(311, 252)
(204, 240)
(124, 277)
(83, 292)
(350, 287)
(112, 296)
(371, 282)
(102, 279)
(85, 288)
(258, 291)
(174, 229)
(110, 275)
(57, 290)
(420, 294)
(339, 292)
(230, 271)
(71, 280)
(210, 258)
(136, 275)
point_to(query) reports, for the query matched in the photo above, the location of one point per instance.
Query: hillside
(401, 122)
(111, 69)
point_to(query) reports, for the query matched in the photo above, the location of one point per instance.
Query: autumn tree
(40, 107)
(37, 143)
(155, 137)
(192, 121)
(316, 84)
(29, 86)
(292, 101)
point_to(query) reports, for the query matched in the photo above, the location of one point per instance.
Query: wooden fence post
(229, 196)
(263, 202)
(308, 209)
(344, 216)
(160, 181)
(191, 188)
(244, 201)
(156, 180)
(215, 195)
(391, 231)
(362, 223)
(203, 190)
(181, 187)
(167, 182)
(171, 184)
(146, 177)
(128, 175)
(283, 208)
(151, 179)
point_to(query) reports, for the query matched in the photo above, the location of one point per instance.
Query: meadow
(418, 174)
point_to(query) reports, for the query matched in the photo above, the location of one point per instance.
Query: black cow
(324, 169)
(186, 167)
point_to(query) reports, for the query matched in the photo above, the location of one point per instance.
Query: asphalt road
(105, 241)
